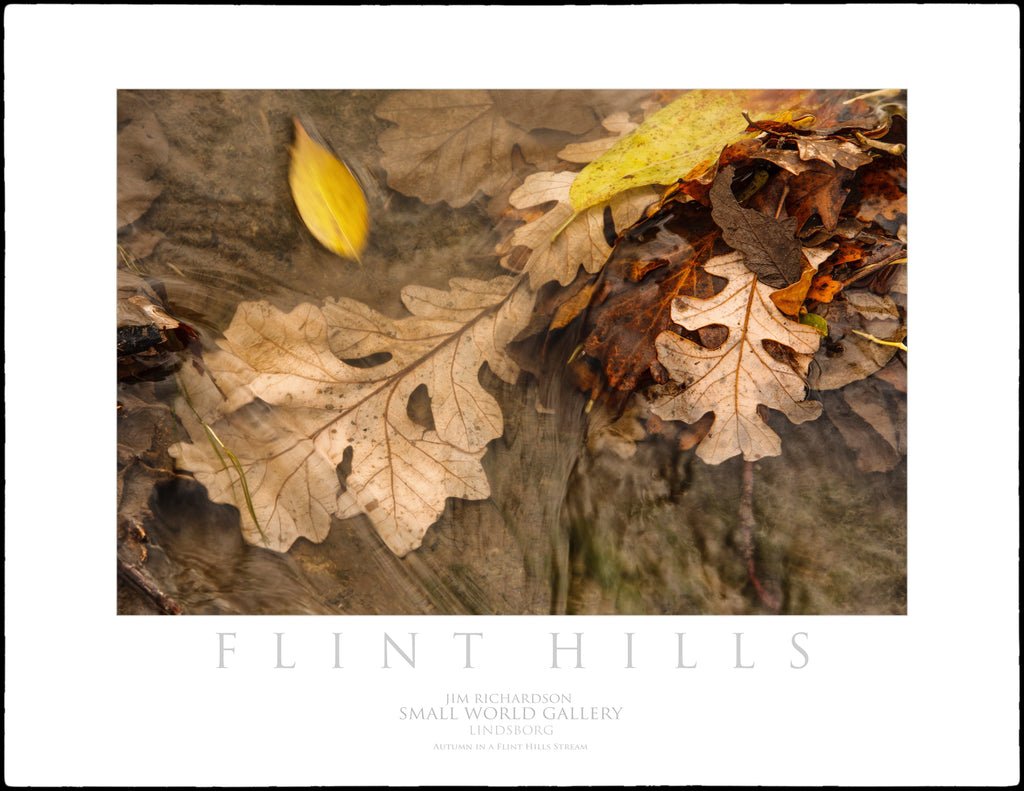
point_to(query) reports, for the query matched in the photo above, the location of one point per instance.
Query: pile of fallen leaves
(715, 304)
(712, 260)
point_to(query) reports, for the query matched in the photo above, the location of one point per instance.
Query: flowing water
(571, 526)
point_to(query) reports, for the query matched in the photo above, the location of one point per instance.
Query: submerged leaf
(639, 284)
(141, 150)
(857, 357)
(321, 394)
(681, 141)
(558, 254)
(446, 145)
(872, 419)
(329, 199)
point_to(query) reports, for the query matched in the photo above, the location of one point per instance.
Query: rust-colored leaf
(823, 288)
(642, 278)
(850, 251)
(821, 190)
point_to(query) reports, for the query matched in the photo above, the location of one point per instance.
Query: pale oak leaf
(307, 391)
(733, 379)
(558, 254)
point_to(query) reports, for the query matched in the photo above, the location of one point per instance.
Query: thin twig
(782, 200)
(747, 527)
(896, 258)
(132, 575)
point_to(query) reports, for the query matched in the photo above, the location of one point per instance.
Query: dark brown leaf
(770, 245)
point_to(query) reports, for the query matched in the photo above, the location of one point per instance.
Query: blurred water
(567, 528)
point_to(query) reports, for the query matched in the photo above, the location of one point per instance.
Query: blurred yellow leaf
(329, 199)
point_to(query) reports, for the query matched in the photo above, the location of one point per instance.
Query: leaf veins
(771, 248)
(296, 410)
(744, 372)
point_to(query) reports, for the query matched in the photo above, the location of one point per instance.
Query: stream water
(570, 526)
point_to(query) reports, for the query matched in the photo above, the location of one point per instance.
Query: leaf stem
(564, 225)
(897, 344)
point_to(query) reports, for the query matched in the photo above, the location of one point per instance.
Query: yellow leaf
(328, 197)
(680, 141)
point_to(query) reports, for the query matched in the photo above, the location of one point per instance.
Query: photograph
(497, 352)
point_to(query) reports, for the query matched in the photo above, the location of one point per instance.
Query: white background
(930, 698)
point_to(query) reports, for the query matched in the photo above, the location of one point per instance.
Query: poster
(929, 697)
